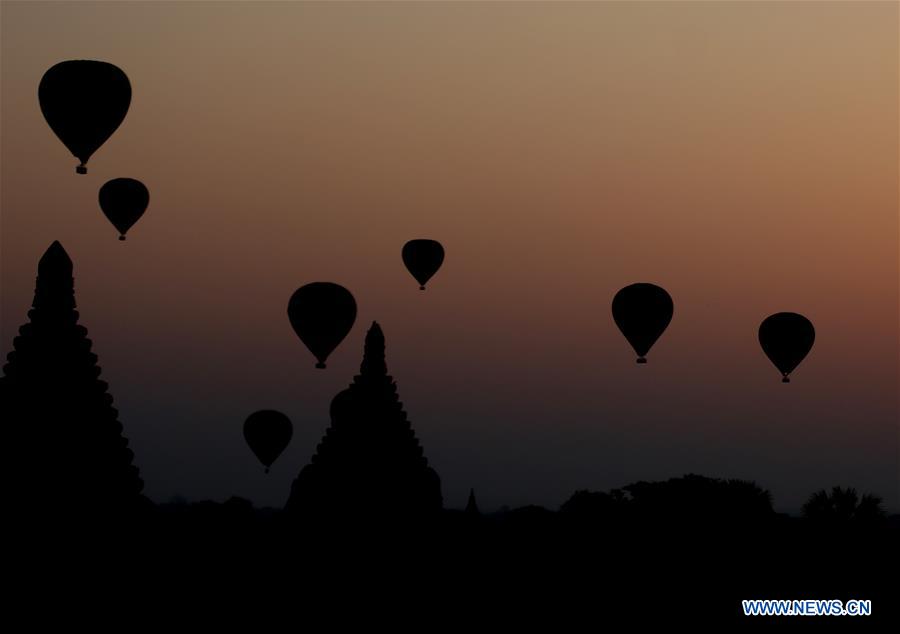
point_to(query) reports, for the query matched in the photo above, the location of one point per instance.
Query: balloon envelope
(84, 101)
(423, 258)
(123, 201)
(786, 338)
(322, 314)
(642, 312)
(267, 433)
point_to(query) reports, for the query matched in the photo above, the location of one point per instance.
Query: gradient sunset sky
(743, 155)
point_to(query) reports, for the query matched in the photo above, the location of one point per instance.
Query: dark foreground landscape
(593, 563)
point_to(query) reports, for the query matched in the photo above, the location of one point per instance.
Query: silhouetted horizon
(741, 169)
(368, 463)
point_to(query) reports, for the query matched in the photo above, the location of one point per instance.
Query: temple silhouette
(369, 463)
(64, 452)
(471, 504)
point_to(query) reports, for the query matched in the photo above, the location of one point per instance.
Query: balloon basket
(421, 288)
(121, 237)
(320, 365)
(81, 169)
(641, 360)
(785, 380)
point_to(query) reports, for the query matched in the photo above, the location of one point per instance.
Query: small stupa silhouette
(369, 463)
(472, 505)
(64, 452)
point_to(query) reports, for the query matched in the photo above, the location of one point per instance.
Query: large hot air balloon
(84, 101)
(268, 432)
(786, 338)
(642, 312)
(123, 201)
(423, 258)
(322, 314)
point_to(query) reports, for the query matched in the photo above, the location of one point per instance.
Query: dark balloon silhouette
(84, 101)
(123, 201)
(322, 314)
(423, 258)
(642, 312)
(267, 433)
(786, 338)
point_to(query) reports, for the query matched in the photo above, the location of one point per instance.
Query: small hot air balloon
(123, 201)
(84, 101)
(267, 433)
(786, 338)
(322, 314)
(642, 312)
(423, 258)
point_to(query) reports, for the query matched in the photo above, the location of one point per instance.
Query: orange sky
(742, 155)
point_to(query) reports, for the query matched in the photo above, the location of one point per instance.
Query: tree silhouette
(843, 506)
(64, 452)
(593, 506)
(696, 498)
(369, 462)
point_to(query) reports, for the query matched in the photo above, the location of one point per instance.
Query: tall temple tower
(63, 451)
(369, 462)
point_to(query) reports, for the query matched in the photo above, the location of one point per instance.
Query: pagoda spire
(54, 293)
(373, 363)
(369, 463)
(55, 264)
(64, 452)
(472, 505)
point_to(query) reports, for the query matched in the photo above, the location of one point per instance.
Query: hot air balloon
(84, 101)
(123, 201)
(267, 433)
(786, 338)
(423, 258)
(322, 314)
(642, 312)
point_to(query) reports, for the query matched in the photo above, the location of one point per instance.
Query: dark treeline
(690, 500)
